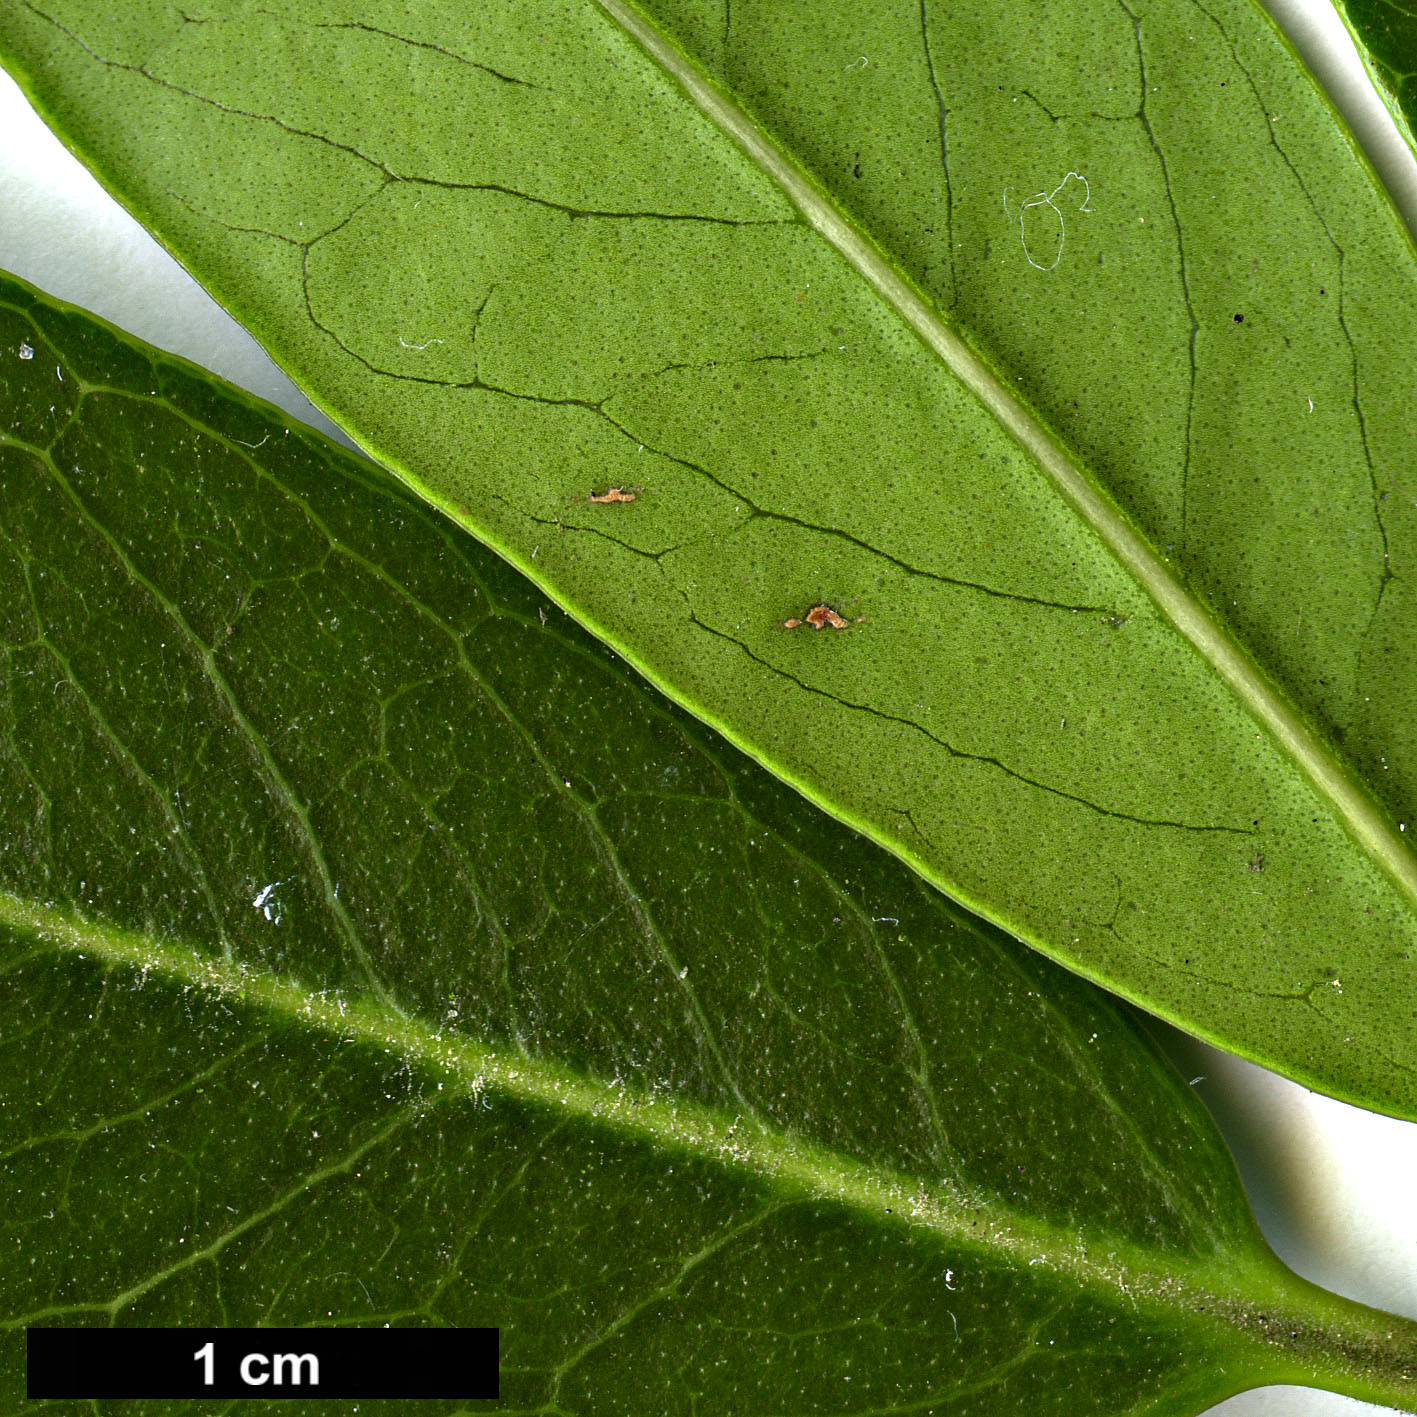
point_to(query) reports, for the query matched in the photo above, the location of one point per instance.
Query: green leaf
(1066, 361)
(1385, 32)
(378, 950)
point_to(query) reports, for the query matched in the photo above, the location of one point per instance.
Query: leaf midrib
(1365, 821)
(792, 1166)
(1272, 1326)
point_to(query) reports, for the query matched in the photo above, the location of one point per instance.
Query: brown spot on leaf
(614, 494)
(1258, 863)
(818, 617)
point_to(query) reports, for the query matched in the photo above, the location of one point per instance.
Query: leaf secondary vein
(276, 780)
(1365, 821)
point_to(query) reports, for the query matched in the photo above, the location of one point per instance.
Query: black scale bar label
(261, 1362)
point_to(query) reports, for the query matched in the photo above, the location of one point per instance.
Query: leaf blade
(1176, 804)
(1386, 37)
(1369, 824)
(853, 1139)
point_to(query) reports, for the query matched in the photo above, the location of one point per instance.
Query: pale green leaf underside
(377, 950)
(519, 264)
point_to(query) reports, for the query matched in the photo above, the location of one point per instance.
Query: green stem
(1317, 1339)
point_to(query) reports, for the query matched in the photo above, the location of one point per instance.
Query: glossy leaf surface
(1386, 35)
(518, 258)
(378, 950)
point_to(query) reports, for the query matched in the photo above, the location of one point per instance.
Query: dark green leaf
(1386, 35)
(378, 950)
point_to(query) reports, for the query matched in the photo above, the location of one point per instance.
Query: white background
(1335, 1189)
